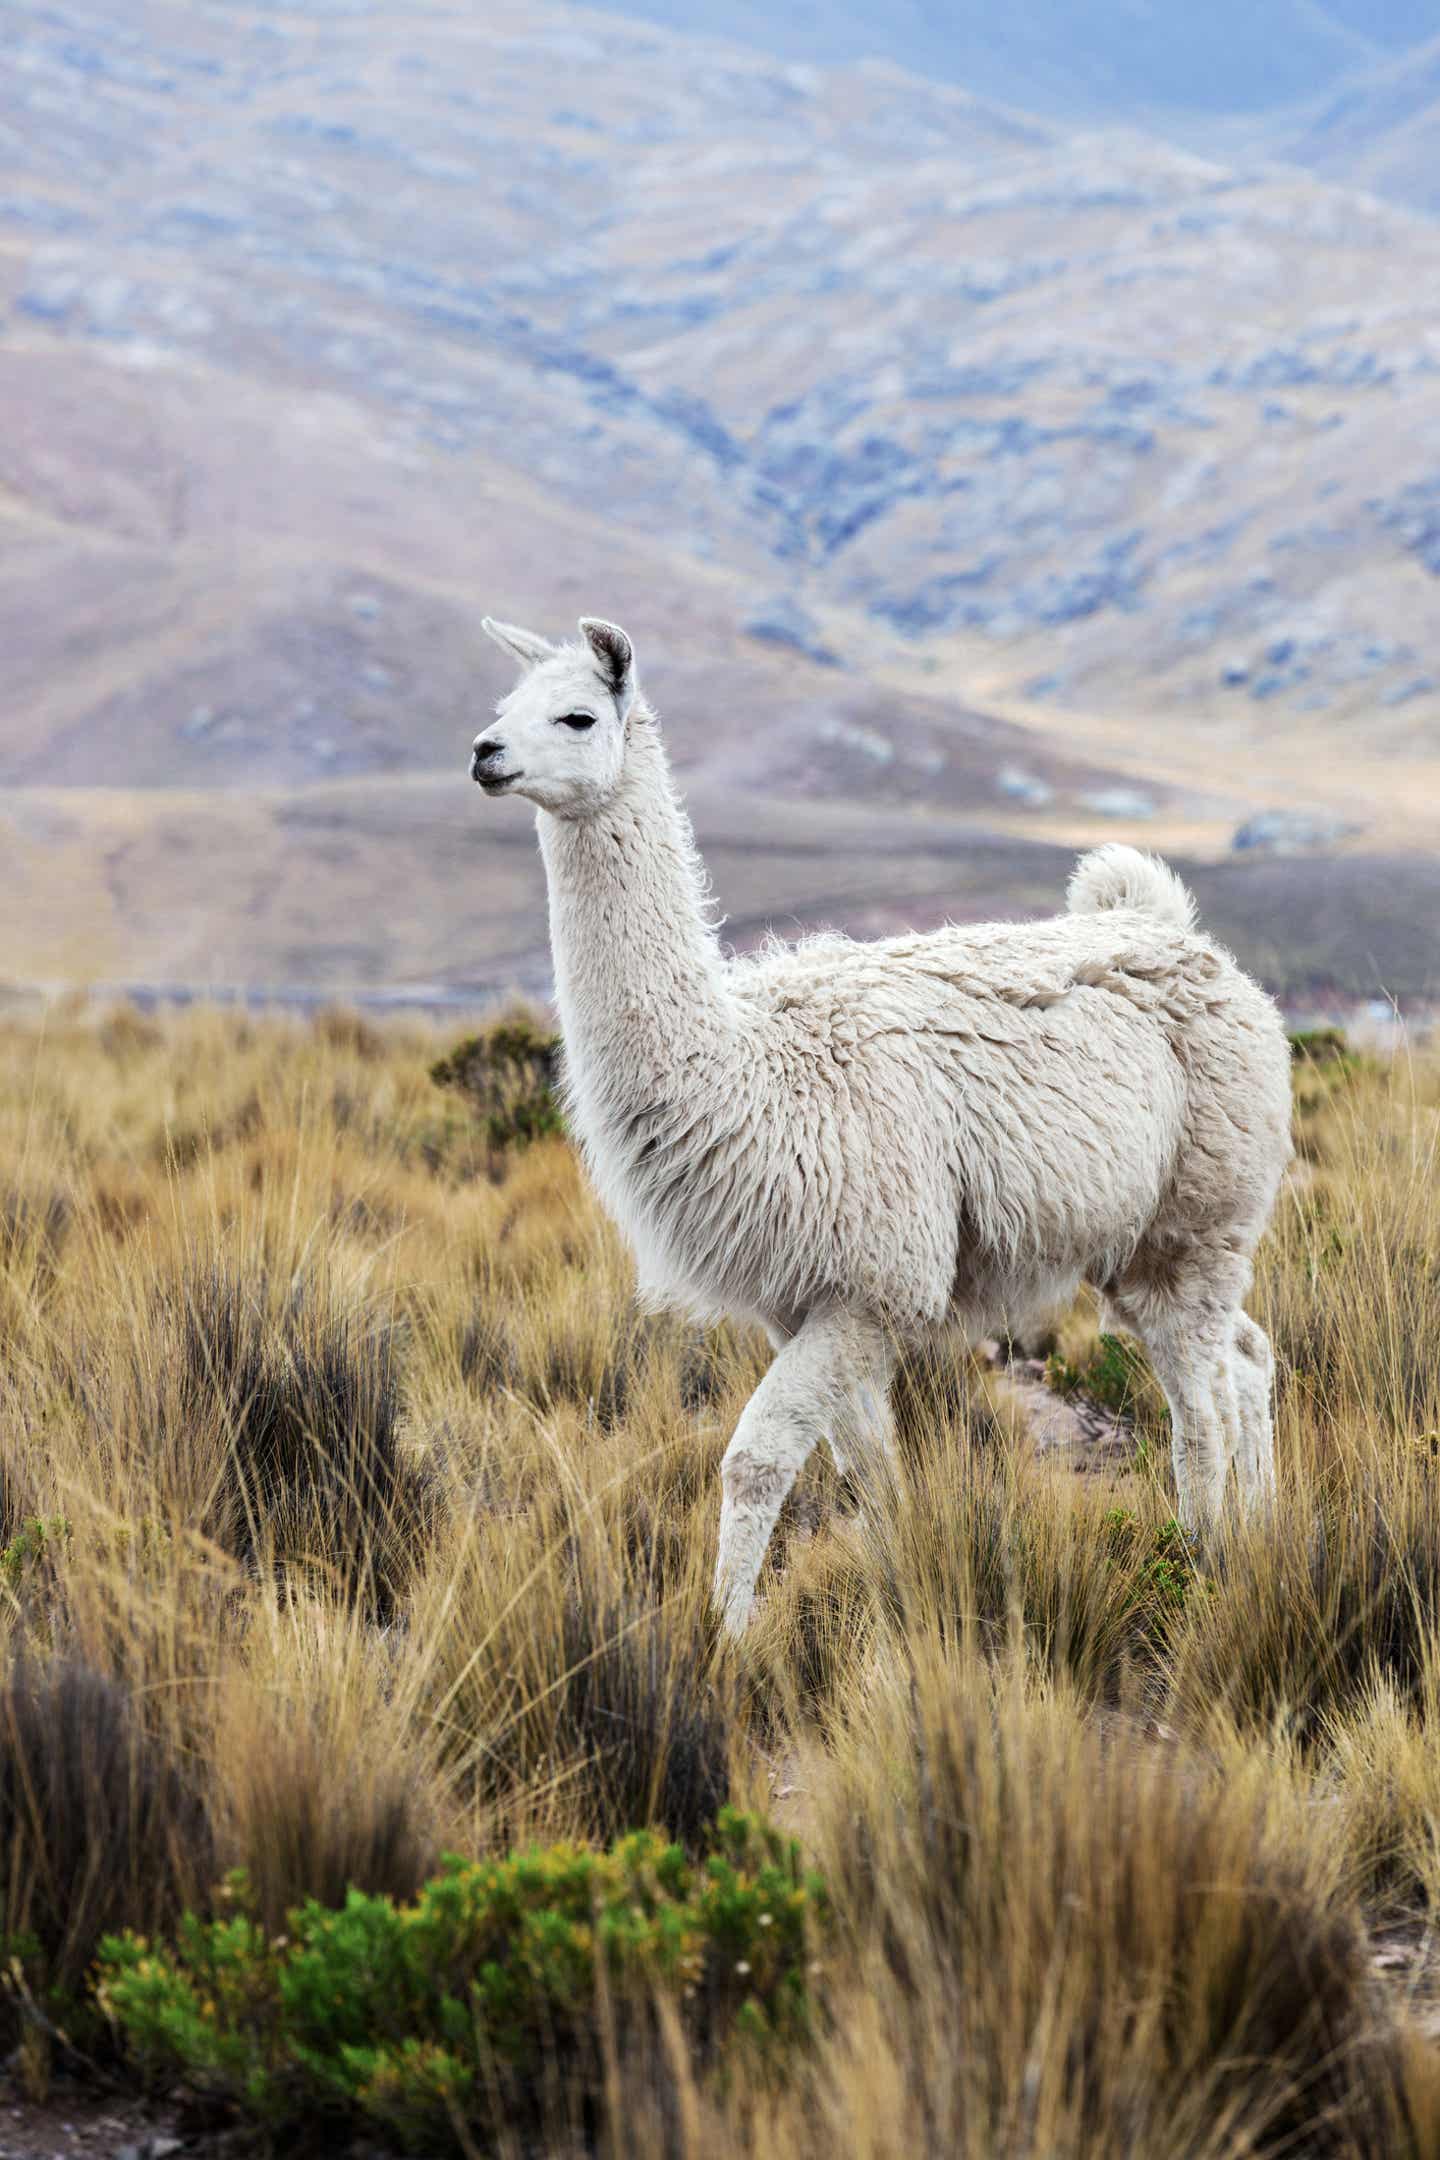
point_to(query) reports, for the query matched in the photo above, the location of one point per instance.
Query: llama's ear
(615, 654)
(526, 646)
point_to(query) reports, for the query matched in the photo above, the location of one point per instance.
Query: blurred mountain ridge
(954, 467)
(1107, 60)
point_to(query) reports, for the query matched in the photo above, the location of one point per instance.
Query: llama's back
(1006, 1106)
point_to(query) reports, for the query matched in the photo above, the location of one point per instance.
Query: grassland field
(353, 1516)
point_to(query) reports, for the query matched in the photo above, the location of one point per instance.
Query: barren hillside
(1022, 484)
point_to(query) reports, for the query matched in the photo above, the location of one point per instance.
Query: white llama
(858, 1144)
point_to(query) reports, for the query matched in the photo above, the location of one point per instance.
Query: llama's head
(559, 737)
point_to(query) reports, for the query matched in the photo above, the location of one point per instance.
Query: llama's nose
(486, 748)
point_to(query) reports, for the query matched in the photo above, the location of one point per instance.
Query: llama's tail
(1121, 877)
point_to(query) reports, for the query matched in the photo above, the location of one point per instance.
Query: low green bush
(1161, 1563)
(39, 1539)
(1324, 1069)
(1116, 1376)
(499, 1989)
(509, 1074)
(1323, 1046)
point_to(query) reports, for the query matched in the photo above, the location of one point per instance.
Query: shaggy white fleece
(857, 1144)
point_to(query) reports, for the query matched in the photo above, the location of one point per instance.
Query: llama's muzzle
(483, 764)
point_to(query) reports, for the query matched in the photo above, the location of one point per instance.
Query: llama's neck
(639, 979)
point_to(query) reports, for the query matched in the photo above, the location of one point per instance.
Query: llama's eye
(578, 720)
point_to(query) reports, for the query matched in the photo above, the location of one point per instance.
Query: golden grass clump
(351, 1513)
(1071, 1939)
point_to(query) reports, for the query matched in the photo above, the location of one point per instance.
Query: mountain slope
(1093, 420)
(1110, 59)
(946, 465)
(1382, 131)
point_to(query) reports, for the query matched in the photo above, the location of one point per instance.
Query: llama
(859, 1145)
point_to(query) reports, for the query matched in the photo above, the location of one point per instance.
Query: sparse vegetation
(509, 1072)
(353, 1517)
(1115, 1375)
(447, 2018)
(1324, 1046)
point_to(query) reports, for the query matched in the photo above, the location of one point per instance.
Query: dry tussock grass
(354, 1514)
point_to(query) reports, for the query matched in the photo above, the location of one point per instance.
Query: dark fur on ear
(614, 652)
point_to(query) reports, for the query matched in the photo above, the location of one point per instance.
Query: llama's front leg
(828, 1381)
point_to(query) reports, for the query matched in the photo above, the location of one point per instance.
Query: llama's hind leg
(1252, 1368)
(825, 1384)
(1189, 1345)
(862, 1442)
(864, 1448)
(1193, 1377)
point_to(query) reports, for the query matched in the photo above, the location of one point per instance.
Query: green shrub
(1115, 1376)
(1323, 1046)
(38, 1539)
(497, 1987)
(509, 1073)
(1162, 1577)
(1324, 1068)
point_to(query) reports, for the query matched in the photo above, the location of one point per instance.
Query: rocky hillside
(1110, 59)
(942, 459)
(1380, 131)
